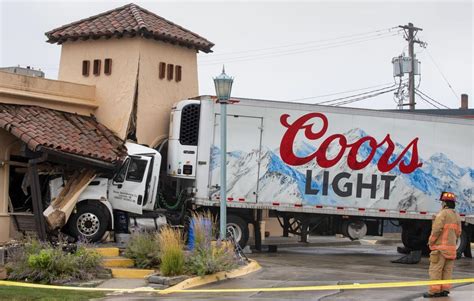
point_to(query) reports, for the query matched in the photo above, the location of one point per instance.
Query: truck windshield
(120, 177)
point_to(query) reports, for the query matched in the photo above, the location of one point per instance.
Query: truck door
(243, 158)
(128, 187)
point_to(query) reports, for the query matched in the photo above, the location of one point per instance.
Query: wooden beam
(36, 195)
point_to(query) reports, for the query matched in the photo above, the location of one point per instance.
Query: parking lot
(326, 264)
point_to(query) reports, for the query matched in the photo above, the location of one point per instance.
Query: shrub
(144, 249)
(172, 253)
(209, 257)
(45, 263)
(213, 258)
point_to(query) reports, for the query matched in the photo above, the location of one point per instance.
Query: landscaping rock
(157, 279)
(175, 280)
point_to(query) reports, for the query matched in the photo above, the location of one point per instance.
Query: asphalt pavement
(297, 265)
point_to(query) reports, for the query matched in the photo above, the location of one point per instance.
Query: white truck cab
(133, 189)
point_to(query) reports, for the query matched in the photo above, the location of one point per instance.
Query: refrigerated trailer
(347, 169)
(308, 163)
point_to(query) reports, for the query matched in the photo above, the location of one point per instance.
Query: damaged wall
(114, 92)
(135, 63)
(157, 96)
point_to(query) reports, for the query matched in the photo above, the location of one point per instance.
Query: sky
(284, 50)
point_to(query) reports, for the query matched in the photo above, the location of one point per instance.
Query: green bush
(212, 258)
(45, 263)
(209, 256)
(144, 249)
(172, 253)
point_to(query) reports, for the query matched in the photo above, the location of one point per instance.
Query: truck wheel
(415, 237)
(89, 221)
(239, 229)
(461, 243)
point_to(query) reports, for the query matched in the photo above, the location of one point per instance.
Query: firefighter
(445, 231)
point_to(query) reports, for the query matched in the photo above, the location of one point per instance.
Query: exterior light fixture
(223, 84)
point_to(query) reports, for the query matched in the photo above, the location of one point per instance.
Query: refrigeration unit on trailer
(351, 168)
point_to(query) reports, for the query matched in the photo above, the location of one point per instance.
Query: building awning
(43, 129)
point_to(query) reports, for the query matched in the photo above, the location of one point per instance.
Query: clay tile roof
(131, 20)
(61, 131)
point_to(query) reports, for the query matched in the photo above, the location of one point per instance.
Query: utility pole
(410, 33)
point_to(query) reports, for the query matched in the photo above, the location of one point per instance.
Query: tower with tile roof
(140, 64)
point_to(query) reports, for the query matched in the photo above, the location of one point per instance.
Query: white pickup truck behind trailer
(324, 161)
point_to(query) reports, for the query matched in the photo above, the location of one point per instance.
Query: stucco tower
(140, 64)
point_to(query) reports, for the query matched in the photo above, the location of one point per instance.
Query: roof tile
(129, 19)
(61, 131)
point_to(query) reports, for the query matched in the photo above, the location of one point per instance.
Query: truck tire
(415, 237)
(239, 228)
(89, 222)
(462, 243)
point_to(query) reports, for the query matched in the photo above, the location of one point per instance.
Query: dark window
(170, 71)
(162, 70)
(85, 68)
(96, 67)
(120, 177)
(178, 73)
(108, 66)
(136, 170)
(189, 128)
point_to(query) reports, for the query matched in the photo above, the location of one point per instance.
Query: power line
(388, 30)
(362, 98)
(431, 98)
(426, 100)
(354, 95)
(442, 74)
(292, 51)
(338, 93)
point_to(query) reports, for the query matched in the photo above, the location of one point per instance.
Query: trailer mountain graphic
(279, 182)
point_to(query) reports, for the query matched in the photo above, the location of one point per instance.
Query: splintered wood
(61, 207)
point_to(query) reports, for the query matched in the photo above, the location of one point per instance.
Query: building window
(108, 66)
(162, 70)
(170, 71)
(178, 73)
(96, 70)
(85, 68)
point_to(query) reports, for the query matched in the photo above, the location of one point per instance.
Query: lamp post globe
(223, 85)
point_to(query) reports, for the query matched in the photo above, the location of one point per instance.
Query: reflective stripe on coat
(445, 231)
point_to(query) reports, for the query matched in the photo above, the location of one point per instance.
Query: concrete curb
(253, 266)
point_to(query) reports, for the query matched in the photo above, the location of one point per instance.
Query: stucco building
(126, 67)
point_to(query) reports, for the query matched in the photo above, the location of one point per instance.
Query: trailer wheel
(89, 221)
(239, 229)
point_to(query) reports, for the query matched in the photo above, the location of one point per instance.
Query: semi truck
(339, 170)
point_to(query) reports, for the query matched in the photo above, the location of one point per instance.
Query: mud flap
(412, 258)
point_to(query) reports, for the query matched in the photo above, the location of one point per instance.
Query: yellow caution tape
(243, 290)
(326, 287)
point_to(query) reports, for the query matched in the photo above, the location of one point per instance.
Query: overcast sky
(283, 50)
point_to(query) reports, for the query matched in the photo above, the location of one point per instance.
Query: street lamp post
(223, 84)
